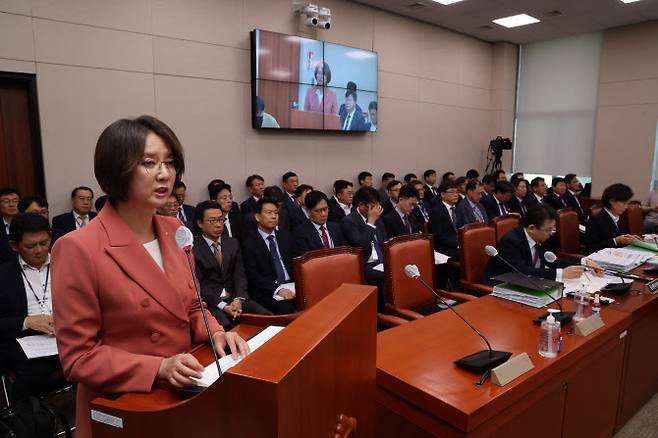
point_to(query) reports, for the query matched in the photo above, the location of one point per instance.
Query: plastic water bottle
(550, 336)
(582, 305)
(596, 306)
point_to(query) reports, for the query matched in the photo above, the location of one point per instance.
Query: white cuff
(221, 305)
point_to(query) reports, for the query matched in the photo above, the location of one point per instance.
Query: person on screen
(352, 120)
(372, 115)
(341, 111)
(263, 119)
(319, 98)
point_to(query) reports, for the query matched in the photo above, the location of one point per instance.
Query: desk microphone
(479, 362)
(185, 241)
(561, 316)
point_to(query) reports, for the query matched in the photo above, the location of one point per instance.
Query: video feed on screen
(301, 83)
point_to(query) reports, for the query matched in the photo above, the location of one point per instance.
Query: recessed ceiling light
(516, 20)
(448, 2)
(630, 1)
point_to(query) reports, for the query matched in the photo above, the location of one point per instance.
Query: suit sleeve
(441, 237)
(461, 215)
(300, 244)
(239, 277)
(357, 239)
(509, 250)
(78, 324)
(595, 237)
(209, 287)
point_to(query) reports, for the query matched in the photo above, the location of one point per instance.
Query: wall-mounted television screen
(300, 83)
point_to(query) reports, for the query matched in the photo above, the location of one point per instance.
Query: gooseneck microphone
(185, 241)
(561, 316)
(479, 362)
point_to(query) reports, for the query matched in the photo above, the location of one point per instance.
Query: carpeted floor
(644, 424)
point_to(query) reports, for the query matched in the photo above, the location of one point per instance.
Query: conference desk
(421, 393)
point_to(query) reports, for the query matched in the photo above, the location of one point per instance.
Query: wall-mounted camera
(314, 15)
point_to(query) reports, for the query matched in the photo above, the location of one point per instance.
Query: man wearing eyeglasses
(219, 268)
(9, 199)
(82, 199)
(316, 232)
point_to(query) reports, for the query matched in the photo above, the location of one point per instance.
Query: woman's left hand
(236, 344)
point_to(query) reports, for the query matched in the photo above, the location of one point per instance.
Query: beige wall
(628, 108)
(443, 95)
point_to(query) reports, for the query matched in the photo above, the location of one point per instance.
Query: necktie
(424, 212)
(378, 248)
(536, 263)
(503, 210)
(325, 237)
(347, 122)
(452, 217)
(83, 221)
(478, 214)
(407, 225)
(278, 266)
(523, 209)
(217, 249)
(564, 204)
(181, 214)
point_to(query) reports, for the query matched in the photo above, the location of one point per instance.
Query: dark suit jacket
(600, 232)
(395, 226)
(237, 224)
(465, 213)
(429, 194)
(13, 301)
(387, 206)
(531, 200)
(342, 112)
(383, 194)
(211, 279)
(6, 253)
(189, 213)
(514, 248)
(336, 213)
(66, 222)
(419, 214)
(359, 234)
(259, 265)
(572, 202)
(491, 206)
(295, 213)
(307, 238)
(358, 121)
(444, 231)
(515, 206)
(248, 206)
(555, 201)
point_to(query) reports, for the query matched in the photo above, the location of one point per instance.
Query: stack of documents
(526, 296)
(590, 283)
(644, 245)
(620, 259)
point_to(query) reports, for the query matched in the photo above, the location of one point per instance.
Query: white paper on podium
(591, 283)
(38, 346)
(210, 374)
(440, 259)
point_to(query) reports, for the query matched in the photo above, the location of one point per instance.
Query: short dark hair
(252, 178)
(301, 189)
(75, 191)
(428, 173)
(350, 85)
(461, 180)
(518, 181)
(287, 175)
(616, 192)
(372, 105)
(569, 177)
(366, 195)
(213, 183)
(178, 184)
(392, 184)
(557, 180)
(120, 149)
(313, 198)
(265, 200)
(415, 182)
(504, 187)
(351, 93)
(488, 179)
(387, 175)
(326, 71)
(408, 177)
(472, 173)
(535, 181)
(9, 191)
(447, 175)
(538, 214)
(446, 185)
(100, 202)
(214, 190)
(201, 207)
(25, 202)
(472, 185)
(274, 192)
(27, 223)
(363, 175)
(341, 184)
(496, 173)
(409, 191)
(515, 176)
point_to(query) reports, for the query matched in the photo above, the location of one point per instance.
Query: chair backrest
(503, 224)
(320, 272)
(595, 209)
(472, 258)
(416, 249)
(632, 221)
(568, 233)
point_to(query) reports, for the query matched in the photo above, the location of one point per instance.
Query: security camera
(310, 10)
(311, 21)
(324, 18)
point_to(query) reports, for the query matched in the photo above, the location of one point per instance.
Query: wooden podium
(319, 369)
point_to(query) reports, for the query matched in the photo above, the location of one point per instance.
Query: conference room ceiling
(559, 18)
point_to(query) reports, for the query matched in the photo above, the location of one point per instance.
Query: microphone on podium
(479, 362)
(185, 241)
(561, 316)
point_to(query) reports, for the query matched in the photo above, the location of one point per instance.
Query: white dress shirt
(326, 230)
(78, 219)
(346, 208)
(39, 280)
(532, 243)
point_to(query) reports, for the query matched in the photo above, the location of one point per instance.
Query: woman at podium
(124, 302)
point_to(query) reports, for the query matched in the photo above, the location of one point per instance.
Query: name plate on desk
(510, 370)
(588, 325)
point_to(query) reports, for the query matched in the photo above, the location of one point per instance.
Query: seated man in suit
(365, 179)
(34, 204)
(301, 214)
(556, 197)
(422, 210)
(449, 176)
(82, 198)
(316, 232)
(517, 203)
(352, 119)
(401, 220)
(602, 230)
(516, 176)
(26, 306)
(289, 183)
(538, 188)
(524, 248)
(472, 175)
(372, 116)
(219, 268)
(267, 256)
(233, 221)
(256, 186)
(443, 220)
(215, 183)
(185, 211)
(363, 228)
(393, 189)
(387, 177)
(430, 181)
(499, 175)
(410, 177)
(461, 187)
(340, 205)
(571, 196)
(495, 205)
(271, 192)
(488, 185)
(470, 210)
